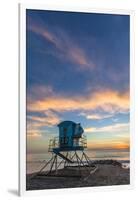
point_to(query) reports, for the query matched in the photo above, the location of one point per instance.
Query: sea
(36, 161)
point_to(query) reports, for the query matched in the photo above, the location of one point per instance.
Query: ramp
(62, 156)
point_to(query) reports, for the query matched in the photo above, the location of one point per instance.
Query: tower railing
(53, 143)
(79, 142)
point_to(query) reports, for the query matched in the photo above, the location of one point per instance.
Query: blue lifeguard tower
(68, 147)
(70, 136)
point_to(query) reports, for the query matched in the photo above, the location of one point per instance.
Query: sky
(77, 68)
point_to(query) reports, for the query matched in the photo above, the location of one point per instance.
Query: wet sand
(102, 175)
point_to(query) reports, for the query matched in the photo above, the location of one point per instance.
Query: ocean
(36, 161)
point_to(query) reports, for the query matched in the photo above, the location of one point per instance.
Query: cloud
(108, 145)
(39, 92)
(115, 128)
(33, 134)
(44, 105)
(98, 116)
(114, 136)
(66, 47)
(109, 101)
(49, 119)
(36, 123)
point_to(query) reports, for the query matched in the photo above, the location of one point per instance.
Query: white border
(22, 92)
(22, 100)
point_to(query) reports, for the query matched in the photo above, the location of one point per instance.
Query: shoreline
(40, 163)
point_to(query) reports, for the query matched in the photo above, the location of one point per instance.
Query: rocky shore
(106, 173)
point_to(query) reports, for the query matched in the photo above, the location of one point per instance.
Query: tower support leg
(78, 163)
(52, 164)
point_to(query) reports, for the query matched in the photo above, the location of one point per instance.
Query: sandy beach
(102, 175)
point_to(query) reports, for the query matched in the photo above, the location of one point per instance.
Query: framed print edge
(22, 96)
(22, 99)
(132, 100)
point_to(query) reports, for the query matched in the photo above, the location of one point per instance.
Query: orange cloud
(121, 145)
(49, 119)
(109, 144)
(115, 136)
(110, 101)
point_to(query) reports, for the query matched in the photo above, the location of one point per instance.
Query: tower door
(64, 138)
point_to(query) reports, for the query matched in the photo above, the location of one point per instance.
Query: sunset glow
(78, 70)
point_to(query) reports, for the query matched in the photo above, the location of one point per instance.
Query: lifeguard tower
(67, 150)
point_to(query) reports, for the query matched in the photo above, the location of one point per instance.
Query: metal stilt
(80, 160)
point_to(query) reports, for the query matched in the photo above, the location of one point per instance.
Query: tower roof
(66, 123)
